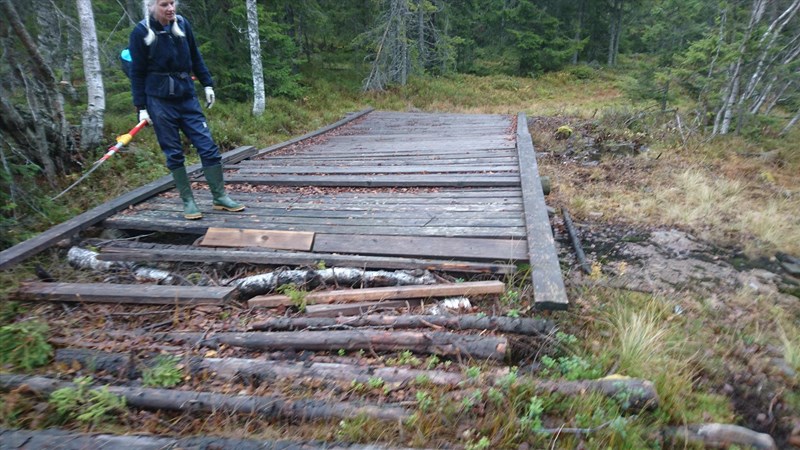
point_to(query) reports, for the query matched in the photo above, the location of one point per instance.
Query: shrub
(164, 373)
(24, 345)
(84, 404)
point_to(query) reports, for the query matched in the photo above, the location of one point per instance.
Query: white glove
(210, 98)
(144, 116)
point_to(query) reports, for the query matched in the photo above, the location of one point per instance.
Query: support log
(518, 325)
(193, 401)
(252, 369)
(67, 440)
(634, 394)
(438, 343)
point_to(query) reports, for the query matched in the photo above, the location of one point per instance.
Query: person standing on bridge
(164, 55)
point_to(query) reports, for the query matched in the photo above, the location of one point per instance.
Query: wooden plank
(277, 239)
(123, 293)
(155, 253)
(83, 221)
(378, 181)
(349, 118)
(377, 169)
(175, 223)
(451, 247)
(548, 284)
(357, 309)
(384, 293)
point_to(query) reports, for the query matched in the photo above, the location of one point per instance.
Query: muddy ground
(717, 285)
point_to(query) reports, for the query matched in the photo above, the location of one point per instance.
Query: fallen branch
(717, 435)
(67, 440)
(175, 400)
(632, 393)
(350, 277)
(519, 325)
(446, 344)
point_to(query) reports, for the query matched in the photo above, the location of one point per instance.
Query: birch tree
(92, 123)
(259, 97)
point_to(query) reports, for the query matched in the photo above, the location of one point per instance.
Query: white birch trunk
(790, 124)
(777, 97)
(259, 97)
(766, 42)
(92, 123)
(732, 91)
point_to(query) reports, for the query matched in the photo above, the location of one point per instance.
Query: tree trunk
(725, 114)
(92, 123)
(526, 326)
(194, 401)
(437, 343)
(259, 97)
(45, 120)
(578, 30)
(790, 124)
(777, 97)
(615, 31)
(48, 39)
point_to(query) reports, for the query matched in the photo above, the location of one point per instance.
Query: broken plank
(359, 308)
(548, 284)
(124, 293)
(384, 293)
(240, 237)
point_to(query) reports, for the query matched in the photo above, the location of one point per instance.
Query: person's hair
(149, 7)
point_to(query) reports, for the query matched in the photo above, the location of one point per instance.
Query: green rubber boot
(190, 210)
(217, 186)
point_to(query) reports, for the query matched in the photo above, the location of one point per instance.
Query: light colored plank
(240, 237)
(384, 293)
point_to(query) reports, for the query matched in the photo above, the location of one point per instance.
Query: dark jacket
(165, 70)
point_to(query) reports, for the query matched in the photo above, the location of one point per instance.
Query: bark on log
(194, 401)
(634, 394)
(439, 343)
(309, 279)
(66, 440)
(519, 325)
(257, 370)
(717, 435)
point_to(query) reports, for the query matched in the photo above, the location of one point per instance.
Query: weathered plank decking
(455, 190)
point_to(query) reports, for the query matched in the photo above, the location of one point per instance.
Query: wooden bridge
(376, 190)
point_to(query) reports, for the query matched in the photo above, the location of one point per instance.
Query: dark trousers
(170, 116)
